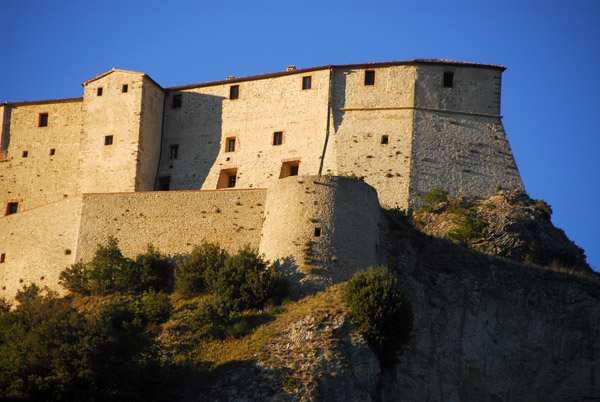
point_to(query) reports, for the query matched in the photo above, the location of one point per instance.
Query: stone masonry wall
(150, 135)
(207, 118)
(465, 155)
(40, 177)
(113, 167)
(38, 244)
(362, 116)
(172, 221)
(321, 230)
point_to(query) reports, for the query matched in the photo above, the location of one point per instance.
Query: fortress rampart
(128, 158)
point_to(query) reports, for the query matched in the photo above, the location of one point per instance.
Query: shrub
(156, 306)
(109, 271)
(211, 320)
(469, 224)
(197, 272)
(245, 282)
(380, 309)
(50, 351)
(543, 208)
(153, 270)
(432, 199)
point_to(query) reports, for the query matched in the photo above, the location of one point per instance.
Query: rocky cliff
(485, 329)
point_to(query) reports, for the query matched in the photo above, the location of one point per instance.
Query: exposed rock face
(517, 227)
(485, 328)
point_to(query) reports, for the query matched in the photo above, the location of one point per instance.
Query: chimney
(291, 68)
(230, 77)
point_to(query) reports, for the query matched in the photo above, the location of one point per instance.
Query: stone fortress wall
(406, 127)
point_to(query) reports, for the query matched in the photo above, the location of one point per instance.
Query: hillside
(486, 328)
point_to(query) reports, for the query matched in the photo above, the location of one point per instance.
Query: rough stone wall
(474, 89)
(38, 244)
(207, 118)
(110, 168)
(172, 221)
(321, 230)
(40, 177)
(463, 154)
(362, 116)
(150, 135)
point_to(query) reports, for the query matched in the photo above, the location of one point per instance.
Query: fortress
(244, 161)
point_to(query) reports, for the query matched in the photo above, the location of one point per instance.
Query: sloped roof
(113, 70)
(340, 66)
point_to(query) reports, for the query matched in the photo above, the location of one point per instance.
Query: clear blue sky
(551, 89)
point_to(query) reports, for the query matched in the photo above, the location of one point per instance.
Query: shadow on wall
(193, 131)
(5, 130)
(338, 97)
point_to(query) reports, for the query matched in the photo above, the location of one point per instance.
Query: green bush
(380, 309)
(543, 208)
(51, 352)
(245, 282)
(197, 272)
(109, 271)
(156, 306)
(432, 199)
(469, 224)
(211, 320)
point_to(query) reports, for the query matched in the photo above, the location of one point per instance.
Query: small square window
(25, 154)
(317, 232)
(174, 151)
(176, 101)
(12, 208)
(384, 139)
(125, 88)
(99, 91)
(234, 92)
(43, 120)
(278, 138)
(52, 151)
(448, 79)
(227, 178)
(230, 144)
(289, 168)
(2, 258)
(306, 82)
(369, 77)
(108, 140)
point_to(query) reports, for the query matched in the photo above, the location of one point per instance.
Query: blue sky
(550, 95)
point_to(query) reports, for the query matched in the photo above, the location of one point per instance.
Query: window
(317, 232)
(125, 88)
(278, 138)
(12, 208)
(174, 151)
(25, 154)
(52, 151)
(384, 139)
(289, 168)
(231, 180)
(448, 79)
(230, 144)
(99, 91)
(234, 92)
(164, 183)
(227, 178)
(108, 140)
(2, 258)
(43, 120)
(306, 82)
(176, 101)
(369, 77)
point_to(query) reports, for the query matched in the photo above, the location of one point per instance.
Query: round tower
(320, 230)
